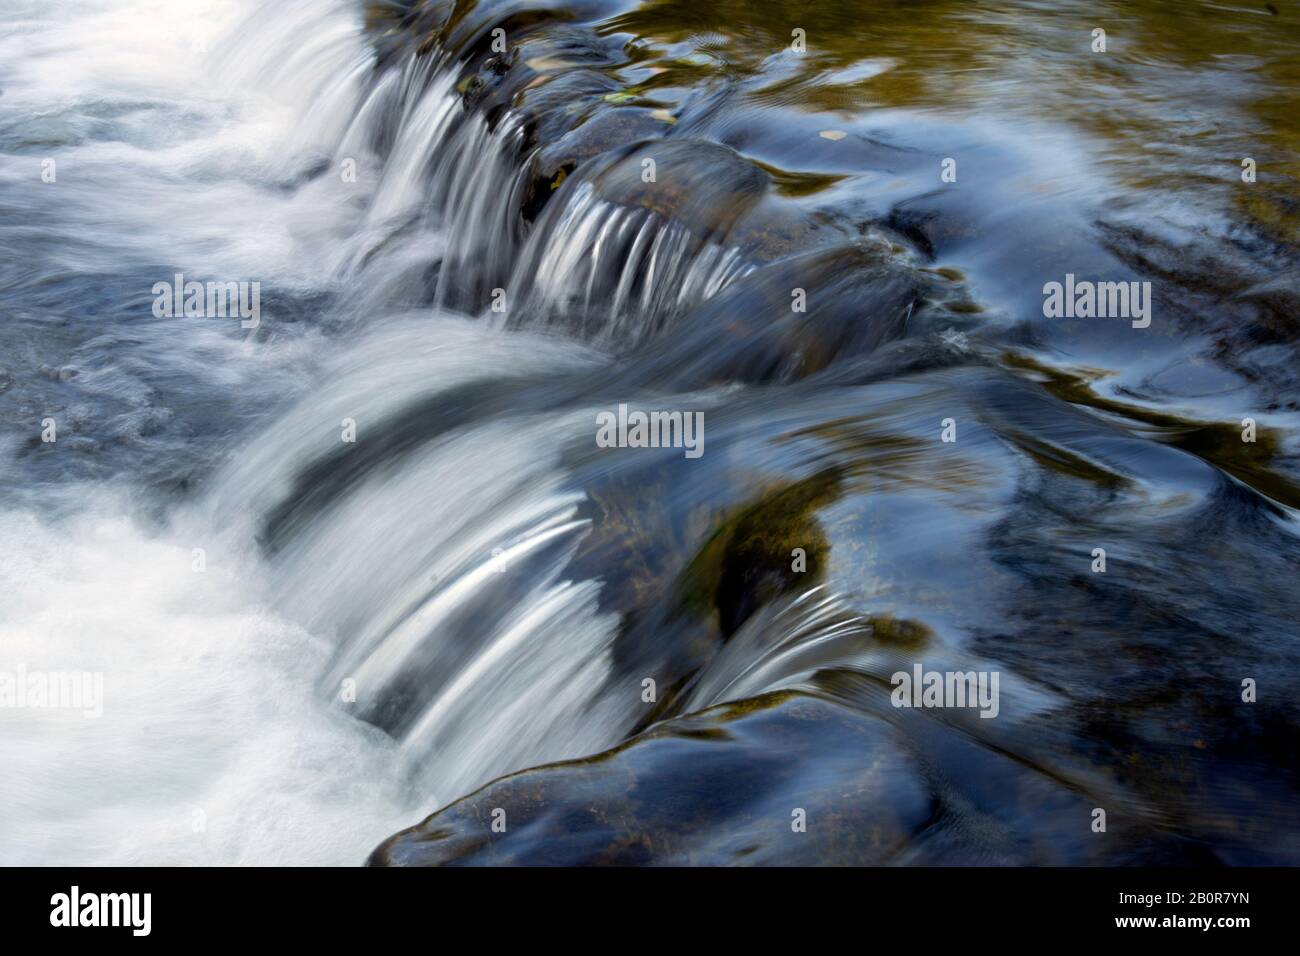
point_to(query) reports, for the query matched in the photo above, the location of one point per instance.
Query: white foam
(209, 711)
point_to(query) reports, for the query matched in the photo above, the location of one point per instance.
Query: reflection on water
(1181, 94)
(837, 256)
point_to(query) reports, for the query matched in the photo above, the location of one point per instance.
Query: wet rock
(790, 779)
(607, 130)
(556, 102)
(487, 88)
(717, 788)
(750, 560)
(775, 229)
(854, 299)
(937, 227)
(900, 632)
(700, 184)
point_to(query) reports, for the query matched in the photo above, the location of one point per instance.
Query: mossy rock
(902, 633)
(750, 559)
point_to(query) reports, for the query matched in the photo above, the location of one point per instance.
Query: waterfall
(356, 557)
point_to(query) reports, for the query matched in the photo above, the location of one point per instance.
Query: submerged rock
(704, 186)
(800, 316)
(609, 129)
(735, 784)
(770, 548)
(785, 778)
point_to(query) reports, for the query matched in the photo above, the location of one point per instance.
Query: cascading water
(163, 160)
(390, 570)
(350, 564)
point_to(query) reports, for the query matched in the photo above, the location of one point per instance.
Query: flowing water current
(350, 560)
